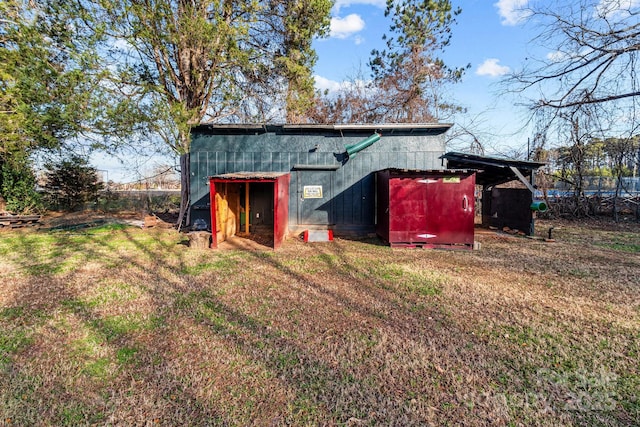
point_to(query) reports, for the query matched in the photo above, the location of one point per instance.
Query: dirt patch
(243, 243)
(85, 219)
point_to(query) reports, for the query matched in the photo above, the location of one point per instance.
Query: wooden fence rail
(17, 221)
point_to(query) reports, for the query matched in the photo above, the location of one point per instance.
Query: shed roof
(399, 171)
(246, 176)
(387, 128)
(491, 170)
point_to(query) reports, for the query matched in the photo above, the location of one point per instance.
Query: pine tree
(409, 73)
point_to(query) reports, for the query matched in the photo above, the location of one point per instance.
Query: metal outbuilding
(274, 180)
(429, 209)
(503, 207)
(330, 171)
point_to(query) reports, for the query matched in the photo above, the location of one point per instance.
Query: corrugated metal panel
(202, 169)
(230, 160)
(368, 203)
(358, 194)
(352, 183)
(280, 161)
(248, 175)
(262, 161)
(221, 161)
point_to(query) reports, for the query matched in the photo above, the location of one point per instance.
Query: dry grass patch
(118, 325)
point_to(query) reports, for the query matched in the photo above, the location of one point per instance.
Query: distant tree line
(611, 157)
(574, 166)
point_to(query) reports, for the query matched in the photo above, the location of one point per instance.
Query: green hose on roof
(352, 149)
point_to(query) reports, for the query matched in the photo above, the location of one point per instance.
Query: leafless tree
(355, 101)
(622, 152)
(577, 126)
(592, 53)
(582, 85)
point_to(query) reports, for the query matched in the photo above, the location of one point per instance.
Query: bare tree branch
(591, 53)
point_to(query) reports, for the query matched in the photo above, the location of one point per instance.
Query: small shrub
(71, 182)
(18, 186)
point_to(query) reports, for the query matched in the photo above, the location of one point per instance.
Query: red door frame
(280, 204)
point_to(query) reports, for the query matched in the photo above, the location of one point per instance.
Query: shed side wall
(352, 183)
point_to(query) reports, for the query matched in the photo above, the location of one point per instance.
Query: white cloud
(334, 87)
(613, 8)
(512, 12)
(346, 3)
(342, 28)
(323, 84)
(491, 67)
(121, 45)
(557, 56)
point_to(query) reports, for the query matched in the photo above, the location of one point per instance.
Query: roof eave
(335, 127)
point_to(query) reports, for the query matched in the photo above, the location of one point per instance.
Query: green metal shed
(331, 168)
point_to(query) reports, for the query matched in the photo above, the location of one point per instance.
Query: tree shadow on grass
(315, 334)
(126, 357)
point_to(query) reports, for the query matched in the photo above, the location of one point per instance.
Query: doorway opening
(250, 205)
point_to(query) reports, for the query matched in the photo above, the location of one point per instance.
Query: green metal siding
(216, 151)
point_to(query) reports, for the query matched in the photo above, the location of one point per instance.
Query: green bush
(18, 186)
(70, 183)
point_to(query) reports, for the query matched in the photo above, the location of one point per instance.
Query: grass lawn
(117, 325)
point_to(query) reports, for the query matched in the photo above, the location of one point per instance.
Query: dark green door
(315, 195)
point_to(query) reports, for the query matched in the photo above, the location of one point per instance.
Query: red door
(407, 209)
(432, 208)
(450, 209)
(280, 210)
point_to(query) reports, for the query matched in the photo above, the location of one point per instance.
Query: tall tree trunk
(185, 185)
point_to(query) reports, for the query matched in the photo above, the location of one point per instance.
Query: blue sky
(493, 36)
(489, 35)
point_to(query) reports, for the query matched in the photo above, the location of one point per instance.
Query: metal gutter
(316, 167)
(336, 127)
(371, 126)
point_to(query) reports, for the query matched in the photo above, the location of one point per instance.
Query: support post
(246, 209)
(524, 180)
(532, 229)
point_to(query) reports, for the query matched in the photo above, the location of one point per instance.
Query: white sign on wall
(312, 192)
